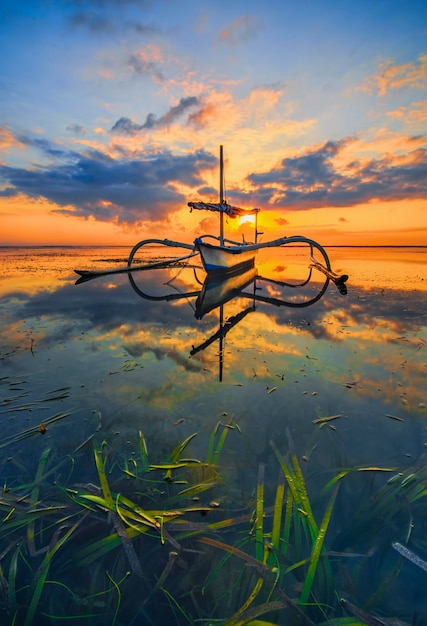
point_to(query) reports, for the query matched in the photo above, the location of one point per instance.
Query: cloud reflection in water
(359, 354)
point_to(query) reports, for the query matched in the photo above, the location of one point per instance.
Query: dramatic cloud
(120, 190)
(126, 126)
(132, 188)
(314, 179)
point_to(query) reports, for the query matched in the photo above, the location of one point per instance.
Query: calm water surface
(125, 371)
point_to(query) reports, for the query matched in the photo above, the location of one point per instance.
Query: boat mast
(221, 195)
(221, 343)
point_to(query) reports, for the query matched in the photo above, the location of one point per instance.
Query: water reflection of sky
(126, 361)
(362, 354)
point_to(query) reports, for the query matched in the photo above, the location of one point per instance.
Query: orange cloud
(416, 113)
(266, 95)
(281, 221)
(201, 117)
(390, 76)
(8, 140)
(374, 142)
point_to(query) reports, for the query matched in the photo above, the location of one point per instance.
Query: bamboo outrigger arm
(86, 275)
(338, 279)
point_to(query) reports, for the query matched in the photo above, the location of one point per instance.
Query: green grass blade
(199, 488)
(303, 498)
(288, 522)
(100, 466)
(116, 516)
(220, 444)
(176, 453)
(174, 604)
(288, 474)
(343, 473)
(259, 521)
(99, 500)
(298, 490)
(41, 574)
(11, 587)
(35, 496)
(317, 550)
(136, 512)
(277, 511)
(257, 588)
(174, 466)
(263, 570)
(255, 612)
(119, 597)
(211, 444)
(143, 452)
(214, 449)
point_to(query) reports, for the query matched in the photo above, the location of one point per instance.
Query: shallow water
(119, 358)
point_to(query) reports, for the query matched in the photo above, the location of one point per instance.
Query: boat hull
(223, 258)
(220, 287)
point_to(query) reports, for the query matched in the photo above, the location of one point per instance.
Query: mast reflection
(218, 289)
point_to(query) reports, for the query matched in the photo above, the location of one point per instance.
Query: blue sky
(111, 114)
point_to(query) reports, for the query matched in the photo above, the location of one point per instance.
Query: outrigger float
(218, 254)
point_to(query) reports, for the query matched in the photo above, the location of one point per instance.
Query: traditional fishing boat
(217, 253)
(225, 255)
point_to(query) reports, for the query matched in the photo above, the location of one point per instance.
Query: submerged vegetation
(170, 541)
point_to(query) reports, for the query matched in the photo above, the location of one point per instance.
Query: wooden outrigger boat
(219, 254)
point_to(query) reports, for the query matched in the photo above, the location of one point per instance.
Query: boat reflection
(219, 289)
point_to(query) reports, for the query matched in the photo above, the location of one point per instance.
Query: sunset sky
(112, 113)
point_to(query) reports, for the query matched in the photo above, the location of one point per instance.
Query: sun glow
(246, 219)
